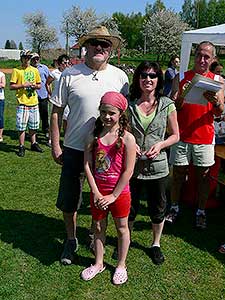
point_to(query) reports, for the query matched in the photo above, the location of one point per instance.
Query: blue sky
(12, 13)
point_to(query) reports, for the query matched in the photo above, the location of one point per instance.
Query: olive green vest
(158, 167)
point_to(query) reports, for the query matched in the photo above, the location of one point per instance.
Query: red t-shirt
(195, 121)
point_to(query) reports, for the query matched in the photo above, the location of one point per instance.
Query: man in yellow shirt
(26, 80)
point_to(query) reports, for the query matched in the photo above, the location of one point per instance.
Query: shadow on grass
(207, 240)
(5, 147)
(36, 234)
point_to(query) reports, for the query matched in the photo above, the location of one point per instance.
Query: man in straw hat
(81, 88)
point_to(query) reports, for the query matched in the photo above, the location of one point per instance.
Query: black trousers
(43, 110)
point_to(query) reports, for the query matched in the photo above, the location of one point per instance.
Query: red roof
(75, 46)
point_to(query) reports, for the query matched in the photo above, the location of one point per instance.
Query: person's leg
(203, 158)
(202, 177)
(21, 138)
(123, 240)
(99, 234)
(43, 109)
(33, 125)
(32, 134)
(2, 105)
(157, 204)
(178, 179)
(157, 233)
(69, 199)
(70, 220)
(98, 267)
(135, 190)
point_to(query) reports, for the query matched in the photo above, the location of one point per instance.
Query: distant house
(77, 54)
(6, 54)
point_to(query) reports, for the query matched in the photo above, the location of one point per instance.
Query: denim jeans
(2, 106)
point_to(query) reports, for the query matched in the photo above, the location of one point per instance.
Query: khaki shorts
(181, 154)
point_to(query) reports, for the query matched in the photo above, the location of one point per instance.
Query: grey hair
(208, 44)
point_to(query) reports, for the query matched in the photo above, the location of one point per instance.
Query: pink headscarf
(115, 99)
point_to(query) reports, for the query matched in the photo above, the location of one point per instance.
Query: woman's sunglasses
(144, 75)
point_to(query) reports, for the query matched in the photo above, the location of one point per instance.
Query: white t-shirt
(2, 95)
(55, 74)
(81, 88)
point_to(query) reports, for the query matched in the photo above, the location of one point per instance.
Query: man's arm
(56, 121)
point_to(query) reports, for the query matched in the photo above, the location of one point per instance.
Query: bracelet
(217, 104)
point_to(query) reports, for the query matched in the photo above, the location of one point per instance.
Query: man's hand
(211, 97)
(57, 155)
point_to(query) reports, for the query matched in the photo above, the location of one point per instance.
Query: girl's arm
(173, 137)
(130, 154)
(88, 161)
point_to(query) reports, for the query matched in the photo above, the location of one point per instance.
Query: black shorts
(155, 196)
(70, 187)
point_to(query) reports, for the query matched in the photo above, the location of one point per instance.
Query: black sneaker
(21, 151)
(156, 255)
(70, 247)
(201, 221)
(35, 147)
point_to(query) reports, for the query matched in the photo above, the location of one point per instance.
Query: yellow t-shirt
(21, 75)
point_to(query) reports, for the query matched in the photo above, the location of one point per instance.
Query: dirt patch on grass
(6, 71)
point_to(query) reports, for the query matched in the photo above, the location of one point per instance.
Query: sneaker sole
(66, 261)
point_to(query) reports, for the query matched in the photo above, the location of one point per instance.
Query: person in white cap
(81, 88)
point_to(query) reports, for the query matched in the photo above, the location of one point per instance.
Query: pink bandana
(115, 99)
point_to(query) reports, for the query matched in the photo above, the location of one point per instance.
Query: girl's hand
(97, 198)
(104, 202)
(154, 151)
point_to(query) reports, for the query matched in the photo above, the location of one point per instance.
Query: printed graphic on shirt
(102, 162)
(29, 77)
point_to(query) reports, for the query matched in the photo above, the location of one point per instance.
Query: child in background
(108, 169)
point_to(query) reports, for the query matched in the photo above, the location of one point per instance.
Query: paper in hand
(194, 92)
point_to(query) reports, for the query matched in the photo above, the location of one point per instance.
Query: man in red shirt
(196, 134)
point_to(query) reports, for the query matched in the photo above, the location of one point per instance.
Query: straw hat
(100, 32)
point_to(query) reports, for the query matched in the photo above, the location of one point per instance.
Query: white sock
(200, 212)
(175, 207)
(155, 245)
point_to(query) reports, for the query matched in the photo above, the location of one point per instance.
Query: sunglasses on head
(103, 44)
(144, 75)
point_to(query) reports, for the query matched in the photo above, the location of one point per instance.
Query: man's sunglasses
(103, 44)
(144, 75)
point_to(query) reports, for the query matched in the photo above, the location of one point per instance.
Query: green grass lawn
(32, 232)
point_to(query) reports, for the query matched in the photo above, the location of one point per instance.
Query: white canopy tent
(214, 34)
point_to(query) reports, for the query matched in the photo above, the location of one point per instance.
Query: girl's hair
(62, 57)
(135, 90)
(172, 58)
(123, 125)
